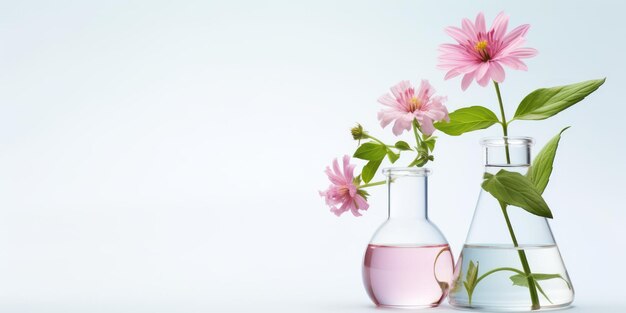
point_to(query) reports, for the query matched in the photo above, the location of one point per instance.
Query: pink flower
(343, 190)
(403, 106)
(480, 54)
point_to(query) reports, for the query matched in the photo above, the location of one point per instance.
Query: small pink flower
(343, 190)
(403, 106)
(480, 54)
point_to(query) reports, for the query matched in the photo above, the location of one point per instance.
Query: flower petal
(387, 100)
(348, 169)
(480, 23)
(448, 47)
(334, 178)
(361, 202)
(467, 80)
(524, 53)
(468, 29)
(385, 118)
(483, 81)
(496, 71)
(354, 209)
(517, 32)
(435, 110)
(456, 34)
(451, 74)
(402, 123)
(500, 24)
(344, 207)
(427, 126)
(482, 70)
(399, 89)
(336, 170)
(425, 91)
(514, 63)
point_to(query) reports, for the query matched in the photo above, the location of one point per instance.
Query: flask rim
(502, 141)
(407, 171)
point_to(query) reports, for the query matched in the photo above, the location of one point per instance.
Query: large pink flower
(342, 190)
(479, 54)
(403, 106)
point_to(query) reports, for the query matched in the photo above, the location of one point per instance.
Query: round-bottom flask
(408, 262)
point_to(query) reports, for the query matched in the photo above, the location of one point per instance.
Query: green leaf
(369, 170)
(539, 276)
(516, 189)
(422, 149)
(539, 172)
(472, 273)
(470, 280)
(542, 292)
(419, 161)
(456, 284)
(430, 143)
(363, 193)
(402, 145)
(467, 119)
(545, 102)
(393, 157)
(371, 151)
(521, 280)
(357, 180)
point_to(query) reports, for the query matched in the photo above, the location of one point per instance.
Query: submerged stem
(499, 269)
(442, 284)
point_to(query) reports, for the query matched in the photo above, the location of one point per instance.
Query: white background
(165, 156)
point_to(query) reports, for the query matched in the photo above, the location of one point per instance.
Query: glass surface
(408, 262)
(516, 263)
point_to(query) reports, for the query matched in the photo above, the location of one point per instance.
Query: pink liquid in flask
(407, 276)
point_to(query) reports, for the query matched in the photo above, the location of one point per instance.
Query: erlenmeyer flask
(408, 262)
(510, 260)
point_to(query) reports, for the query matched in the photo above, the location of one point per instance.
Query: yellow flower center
(481, 46)
(414, 104)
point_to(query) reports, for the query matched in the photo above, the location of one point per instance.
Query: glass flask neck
(507, 152)
(408, 194)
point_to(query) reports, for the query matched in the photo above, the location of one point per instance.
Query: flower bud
(358, 133)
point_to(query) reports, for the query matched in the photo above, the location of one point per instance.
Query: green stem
(379, 141)
(420, 158)
(378, 183)
(375, 139)
(534, 297)
(498, 270)
(505, 125)
(417, 136)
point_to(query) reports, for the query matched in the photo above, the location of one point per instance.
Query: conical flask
(510, 260)
(408, 263)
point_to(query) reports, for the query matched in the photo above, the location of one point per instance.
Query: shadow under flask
(408, 262)
(510, 261)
